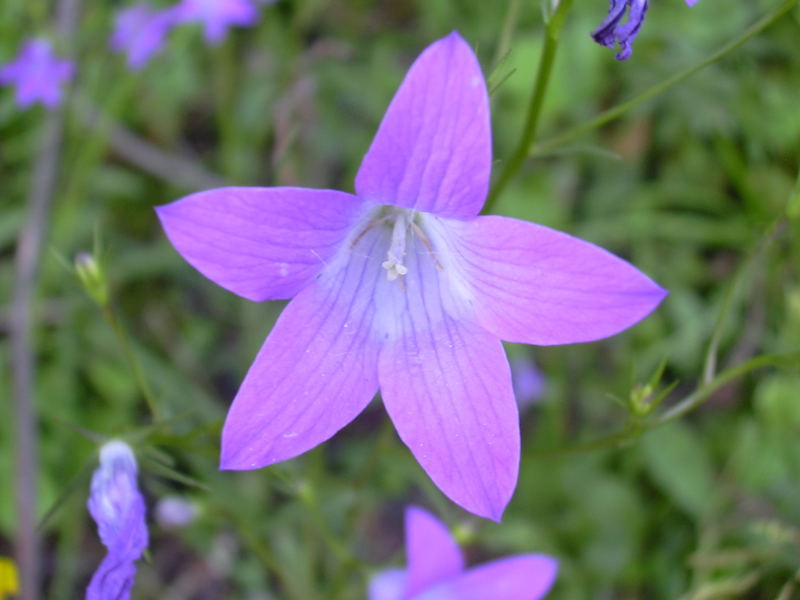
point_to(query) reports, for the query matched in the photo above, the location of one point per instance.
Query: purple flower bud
(118, 508)
(140, 31)
(37, 73)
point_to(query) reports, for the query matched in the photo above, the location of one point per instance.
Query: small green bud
(641, 403)
(92, 277)
(464, 534)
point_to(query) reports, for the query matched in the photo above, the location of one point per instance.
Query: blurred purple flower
(140, 31)
(38, 74)
(217, 15)
(403, 286)
(528, 381)
(612, 31)
(118, 508)
(436, 570)
(174, 512)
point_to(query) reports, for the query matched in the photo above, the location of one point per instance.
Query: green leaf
(679, 465)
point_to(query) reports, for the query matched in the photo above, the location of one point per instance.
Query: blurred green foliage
(685, 186)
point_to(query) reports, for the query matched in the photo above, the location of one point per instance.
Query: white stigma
(394, 268)
(397, 250)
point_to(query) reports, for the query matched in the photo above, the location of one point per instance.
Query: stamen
(427, 243)
(368, 228)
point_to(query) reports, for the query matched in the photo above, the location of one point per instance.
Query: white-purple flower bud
(118, 507)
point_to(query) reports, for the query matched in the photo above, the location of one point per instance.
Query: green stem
(710, 362)
(552, 36)
(262, 551)
(688, 404)
(609, 115)
(696, 398)
(133, 362)
(793, 206)
(305, 493)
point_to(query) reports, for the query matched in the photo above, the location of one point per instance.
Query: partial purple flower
(217, 15)
(436, 570)
(528, 381)
(403, 287)
(140, 31)
(613, 31)
(118, 508)
(37, 73)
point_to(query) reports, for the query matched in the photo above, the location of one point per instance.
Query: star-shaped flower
(217, 15)
(140, 31)
(117, 506)
(38, 74)
(436, 570)
(612, 30)
(403, 287)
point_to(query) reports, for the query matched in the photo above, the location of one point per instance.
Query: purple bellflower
(217, 15)
(612, 30)
(140, 31)
(436, 570)
(117, 506)
(38, 74)
(403, 287)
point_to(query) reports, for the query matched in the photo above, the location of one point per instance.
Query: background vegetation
(692, 186)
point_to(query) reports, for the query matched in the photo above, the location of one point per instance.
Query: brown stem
(23, 364)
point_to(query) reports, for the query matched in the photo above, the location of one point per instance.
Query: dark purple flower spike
(403, 287)
(613, 30)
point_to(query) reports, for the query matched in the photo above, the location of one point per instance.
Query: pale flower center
(405, 224)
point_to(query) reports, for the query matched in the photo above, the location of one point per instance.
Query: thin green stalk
(552, 36)
(259, 548)
(506, 33)
(309, 499)
(686, 405)
(793, 207)
(133, 362)
(305, 493)
(609, 115)
(710, 362)
(787, 591)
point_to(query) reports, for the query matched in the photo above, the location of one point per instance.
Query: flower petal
(433, 555)
(433, 149)
(535, 285)
(525, 577)
(315, 373)
(388, 585)
(447, 388)
(260, 243)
